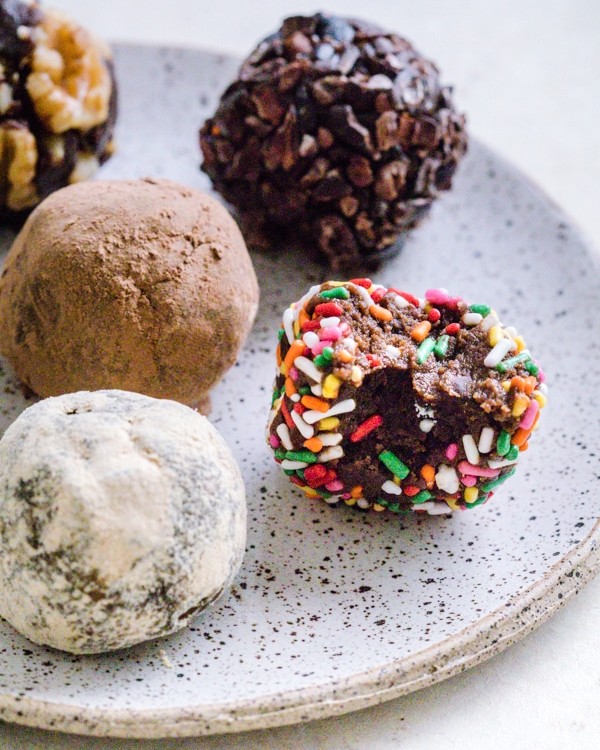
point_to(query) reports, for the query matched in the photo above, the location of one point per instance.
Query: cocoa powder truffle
(121, 517)
(141, 285)
(337, 131)
(392, 402)
(57, 104)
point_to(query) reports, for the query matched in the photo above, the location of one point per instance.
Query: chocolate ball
(57, 105)
(139, 285)
(392, 402)
(339, 133)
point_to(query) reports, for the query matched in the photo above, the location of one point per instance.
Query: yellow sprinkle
(335, 283)
(350, 501)
(396, 480)
(471, 494)
(356, 374)
(520, 405)
(495, 335)
(540, 398)
(331, 386)
(329, 423)
(506, 385)
(452, 503)
(520, 342)
(309, 492)
(345, 356)
(378, 507)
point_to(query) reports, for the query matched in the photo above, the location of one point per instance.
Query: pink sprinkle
(528, 418)
(318, 348)
(451, 451)
(334, 486)
(345, 328)
(540, 376)
(330, 334)
(437, 296)
(468, 481)
(294, 373)
(346, 496)
(477, 471)
(274, 441)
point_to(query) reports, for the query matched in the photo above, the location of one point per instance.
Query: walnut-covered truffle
(121, 517)
(141, 285)
(337, 131)
(392, 402)
(57, 104)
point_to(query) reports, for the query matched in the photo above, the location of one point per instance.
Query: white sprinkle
(400, 301)
(501, 464)
(330, 454)
(316, 390)
(434, 509)
(349, 344)
(392, 351)
(288, 324)
(308, 367)
(295, 397)
(471, 318)
(304, 429)
(543, 388)
(512, 332)
(486, 440)
(426, 425)
(446, 479)
(379, 81)
(330, 322)
(391, 487)
(356, 375)
(489, 321)
(311, 339)
(332, 500)
(471, 449)
(311, 293)
(286, 464)
(497, 354)
(284, 434)
(330, 438)
(341, 407)
(362, 503)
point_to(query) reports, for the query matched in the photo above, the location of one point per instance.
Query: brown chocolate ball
(139, 285)
(57, 105)
(339, 133)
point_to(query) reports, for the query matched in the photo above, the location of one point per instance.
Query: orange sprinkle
(290, 388)
(520, 437)
(380, 312)
(303, 316)
(517, 382)
(313, 444)
(278, 353)
(295, 350)
(420, 331)
(428, 474)
(531, 384)
(312, 402)
(344, 356)
(356, 492)
(524, 447)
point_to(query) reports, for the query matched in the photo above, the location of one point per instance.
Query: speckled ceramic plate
(334, 609)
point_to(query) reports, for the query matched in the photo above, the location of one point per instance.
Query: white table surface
(527, 74)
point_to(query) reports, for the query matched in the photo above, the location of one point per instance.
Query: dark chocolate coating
(337, 131)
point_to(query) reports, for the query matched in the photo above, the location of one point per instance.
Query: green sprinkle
(481, 499)
(394, 507)
(489, 486)
(513, 453)
(441, 345)
(394, 464)
(304, 390)
(383, 502)
(481, 309)
(280, 453)
(421, 497)
(503, 443)
(323, 493)
(531, 367)
(307, 456)
(508, 364)
(280, 333)
(289, 472)
(300, 473)
(324, 358)
(424, 350)
(338, 292)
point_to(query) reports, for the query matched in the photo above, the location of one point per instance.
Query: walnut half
(69, 83)
(18, 160)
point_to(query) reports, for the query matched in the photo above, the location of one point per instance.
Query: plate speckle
(336, 609)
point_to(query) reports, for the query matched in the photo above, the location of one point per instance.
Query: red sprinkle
(320, 477)
(298, 481)
(434, 315)
(378, 294)
(367, 283)
(452, 329)
(405, 295)
(363, 429)
(373, 360)
(410, 490)
(328, 309)
(286, 415)
(299, 408)
(311, 325)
